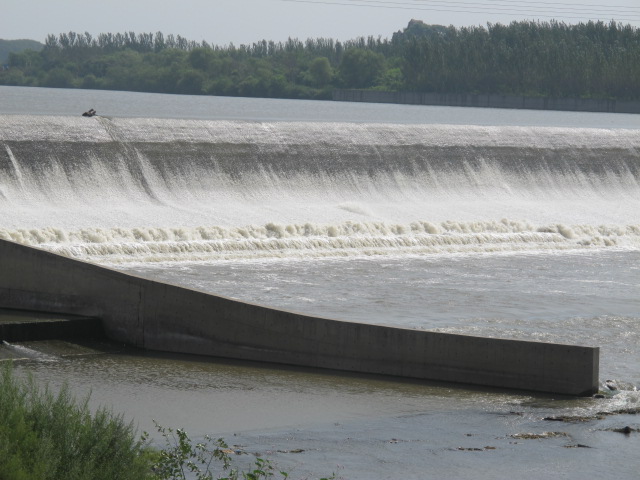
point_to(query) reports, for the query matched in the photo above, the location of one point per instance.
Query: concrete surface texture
(165, 317)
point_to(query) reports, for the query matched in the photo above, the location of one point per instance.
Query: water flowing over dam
(241, 228)
(147, 190)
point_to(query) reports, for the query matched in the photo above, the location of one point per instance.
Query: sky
(221, 22)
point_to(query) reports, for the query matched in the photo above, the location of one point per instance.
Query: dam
(123, 192)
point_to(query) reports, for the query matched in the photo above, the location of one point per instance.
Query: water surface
(501, 223)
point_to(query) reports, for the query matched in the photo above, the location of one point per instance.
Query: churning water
(136, 190)
(521, 225)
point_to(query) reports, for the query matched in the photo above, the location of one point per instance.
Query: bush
(44, 436)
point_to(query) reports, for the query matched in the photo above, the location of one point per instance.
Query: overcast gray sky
(222, 22)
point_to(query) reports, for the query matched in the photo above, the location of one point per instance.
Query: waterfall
(160, 189)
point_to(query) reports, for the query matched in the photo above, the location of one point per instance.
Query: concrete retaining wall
(164, 317)
(489, 100)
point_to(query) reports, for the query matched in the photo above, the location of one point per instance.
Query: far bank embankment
(489, 101)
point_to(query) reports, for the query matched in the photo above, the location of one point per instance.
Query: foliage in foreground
(181, 459)
(47, 436)
(50, 436)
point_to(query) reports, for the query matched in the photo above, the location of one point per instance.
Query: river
(502, 223)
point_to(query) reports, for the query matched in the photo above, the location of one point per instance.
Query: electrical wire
(515, 6)
(536, 3)
(561, 9)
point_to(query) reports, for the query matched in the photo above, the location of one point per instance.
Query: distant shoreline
(489, 101)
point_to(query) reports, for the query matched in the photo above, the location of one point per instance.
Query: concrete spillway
(164, 317)
(116, 190)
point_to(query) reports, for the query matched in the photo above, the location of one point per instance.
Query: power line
(461, 9)
(499, 4)
(492, 9)
(535, 3)
(507, 4)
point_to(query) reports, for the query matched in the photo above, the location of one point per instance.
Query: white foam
(274, 240)
(115, 190)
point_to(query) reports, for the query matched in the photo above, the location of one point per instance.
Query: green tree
(59, 78)
(191, 82)
(361, 68)
(321, 71)
(17, 46)
(201, 58)
(593, 59)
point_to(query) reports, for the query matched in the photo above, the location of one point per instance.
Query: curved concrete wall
(165, 317)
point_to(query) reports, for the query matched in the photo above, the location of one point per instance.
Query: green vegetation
(14, 46)
(589, 60)
(181, 458)
(46, 436)
(527, 58)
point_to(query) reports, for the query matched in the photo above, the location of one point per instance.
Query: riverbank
(489, 101)
(312, 423)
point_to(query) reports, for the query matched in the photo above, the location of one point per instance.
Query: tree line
(12, 46)
(588, 60)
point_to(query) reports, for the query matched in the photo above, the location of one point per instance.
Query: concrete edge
(164, 317)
